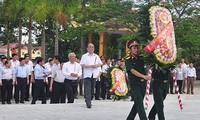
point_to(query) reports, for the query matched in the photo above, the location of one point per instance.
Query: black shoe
(9, 102)
(22, 102)
(89, 106)
(27, 100)
(192, 93)
(16, 102)
(3, 102)
(109, 98)
(97, 99)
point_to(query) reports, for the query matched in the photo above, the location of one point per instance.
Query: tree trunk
(20, 38)
(83, 46)
(43, 42)
(56, 39)
(83, 38)
(8, 43)
(30, 38)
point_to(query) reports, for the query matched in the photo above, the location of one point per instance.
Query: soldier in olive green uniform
(160, 90)
(137, 78)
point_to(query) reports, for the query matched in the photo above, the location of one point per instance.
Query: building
(36, 51)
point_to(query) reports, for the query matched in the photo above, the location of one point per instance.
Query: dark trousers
(39, 91)
(160, 90)
(171, 84)
(32, 89)
(104, 88)
(58, 93)
(20, 89)
(179, 83)
(98, 89)
(71, 87)
(80, 83)
(89, 84)
(6, 92)
(47, 86)
(27, 92)
(138, 89)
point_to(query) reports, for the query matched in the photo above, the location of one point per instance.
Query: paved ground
(101, 110)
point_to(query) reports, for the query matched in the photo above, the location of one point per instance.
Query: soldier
(160, 89)
(137, 78)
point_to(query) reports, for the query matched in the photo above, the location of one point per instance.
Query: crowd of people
(58, 79)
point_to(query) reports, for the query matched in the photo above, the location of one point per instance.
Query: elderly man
(90, 63)
(71, 71)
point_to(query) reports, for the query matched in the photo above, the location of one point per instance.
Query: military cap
(133, 43)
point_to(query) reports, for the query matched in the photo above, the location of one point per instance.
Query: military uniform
(160, 90)
(137, 85)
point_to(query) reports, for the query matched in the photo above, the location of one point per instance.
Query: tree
(61, 11)
(41, 12)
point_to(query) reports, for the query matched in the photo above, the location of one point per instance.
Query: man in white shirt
(40, 81)
(14, 61)
(48, 68)
(56, 64)
(104, 80)
(90, 63)
(184, 66)
(191, 77)
(29, 65)
(71, 70)
(180, 77)
(22, 73)
(2, 63)
(7, 79)
(57, 85)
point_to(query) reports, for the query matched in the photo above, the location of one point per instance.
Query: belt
(7, 79)
(164, 81)
(70, 80)
(21, 78)
(190, 77)
(139, 80)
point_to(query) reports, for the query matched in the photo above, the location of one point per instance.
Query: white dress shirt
(100, 71)
(104, 68)
(1, 65)
(39, 72)
(191, 72)
(55, 67)
(15, 63)
(180, 73)
(7, 73)
(184, 66)
(30, 67)
(58, 76)
(88, 59)
(69, 68)
(48, 68)
(21, 71)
